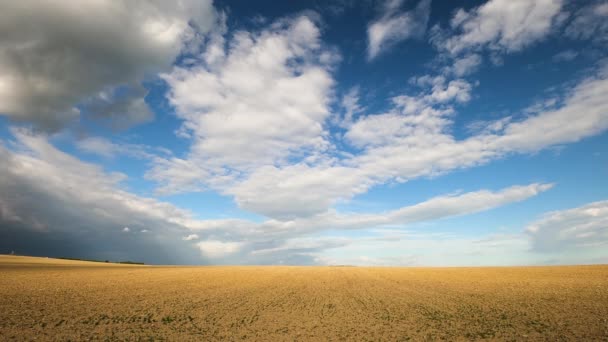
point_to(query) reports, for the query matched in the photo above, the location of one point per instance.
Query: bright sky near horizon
(400, 132)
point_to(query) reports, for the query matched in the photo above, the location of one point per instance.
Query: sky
(391, 133)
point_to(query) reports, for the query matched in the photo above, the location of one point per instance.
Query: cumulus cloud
(262, 100)
(413, 140)
(395, 26)
(501, 25)
(61, 59)
(308, 188)
(585, 227)
(294, 170)
(412, 116)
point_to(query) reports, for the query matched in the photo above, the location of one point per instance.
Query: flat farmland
(49, 299)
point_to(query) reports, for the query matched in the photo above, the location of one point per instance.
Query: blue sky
(420, 133)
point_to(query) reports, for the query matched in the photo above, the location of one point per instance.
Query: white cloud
(565, 56)
(412, 116)
(394, 26)
(464, 65)
(571, 236)
(433, 209)
(504, 25)
(389, 248)
(218, 249)
(305, 245)
(414, 140)
(110, 149)
(590, 23)
(297, 190)
(99, 146)
(351, 106)
(305, 189)
(583, 113)
(265, 99)
(48, 46)
(285, 176)
(580, 228)
(447, 206)
(126, 229)
(190, 237)
(298, 240)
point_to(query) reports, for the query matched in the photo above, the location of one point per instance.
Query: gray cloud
(57, 58)
(120, 108)
(52, 204)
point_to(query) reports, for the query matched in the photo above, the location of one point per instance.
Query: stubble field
(49, 299)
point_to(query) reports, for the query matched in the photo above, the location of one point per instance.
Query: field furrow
(84, 301)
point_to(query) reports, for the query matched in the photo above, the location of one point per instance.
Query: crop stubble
(60, 300)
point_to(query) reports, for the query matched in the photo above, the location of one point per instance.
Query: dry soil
(49, 299)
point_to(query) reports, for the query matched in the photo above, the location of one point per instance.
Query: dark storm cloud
(52, 204)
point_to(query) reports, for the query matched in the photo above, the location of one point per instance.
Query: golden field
(50, 299)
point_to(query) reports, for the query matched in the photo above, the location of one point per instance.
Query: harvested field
(51, 299)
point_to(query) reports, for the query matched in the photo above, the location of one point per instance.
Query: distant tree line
(92, 260)
(108, 261)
